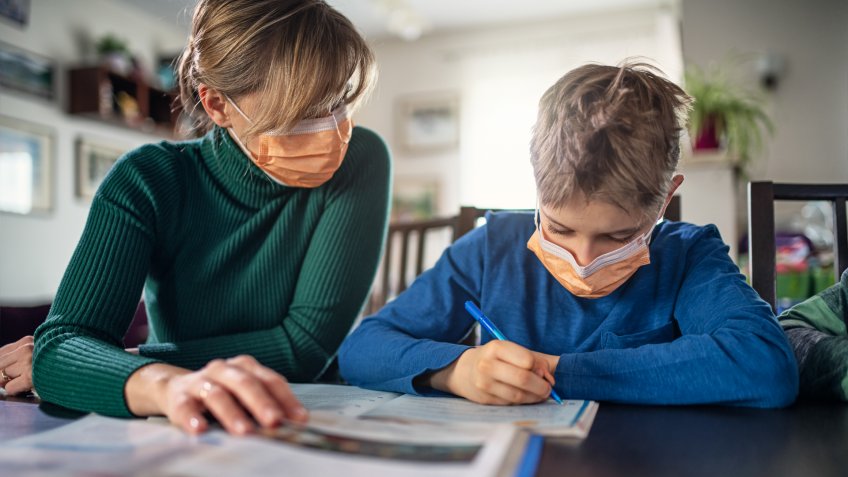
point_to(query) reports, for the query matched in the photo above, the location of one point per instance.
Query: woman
(255, 244)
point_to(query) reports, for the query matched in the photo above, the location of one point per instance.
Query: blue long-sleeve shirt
(685, 329)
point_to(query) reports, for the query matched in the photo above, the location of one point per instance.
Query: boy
(602, 302)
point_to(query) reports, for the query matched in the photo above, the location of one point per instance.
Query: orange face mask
(307, 155)
(597, 279)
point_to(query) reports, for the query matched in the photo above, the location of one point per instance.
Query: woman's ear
(215, 104)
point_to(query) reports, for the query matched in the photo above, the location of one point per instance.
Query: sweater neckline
(235, 172)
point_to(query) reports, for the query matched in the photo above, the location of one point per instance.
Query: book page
(341, 400)
(96, 445)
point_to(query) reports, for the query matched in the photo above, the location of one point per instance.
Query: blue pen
(494, 331)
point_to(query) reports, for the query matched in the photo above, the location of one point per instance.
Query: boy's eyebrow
(630, 231)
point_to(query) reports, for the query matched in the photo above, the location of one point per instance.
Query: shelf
(97, 93)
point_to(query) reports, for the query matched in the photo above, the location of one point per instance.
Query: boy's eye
(621, 239)
(557, 231)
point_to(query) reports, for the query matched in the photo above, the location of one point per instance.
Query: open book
(352, 432)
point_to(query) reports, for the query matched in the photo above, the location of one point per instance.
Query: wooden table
(806, 440)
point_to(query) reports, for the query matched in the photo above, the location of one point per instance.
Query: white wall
(810, 106)
(499, 75)
(34, 250)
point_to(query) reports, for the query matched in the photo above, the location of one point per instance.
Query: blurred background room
(83, 81)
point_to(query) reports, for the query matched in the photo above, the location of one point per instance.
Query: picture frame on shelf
(415, 198)
(428, 122)
(27, 72)
(15, 11)
(94, 160)
(26, 167)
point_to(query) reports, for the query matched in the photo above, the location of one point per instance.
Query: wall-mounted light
(402, 19)
(771, 68)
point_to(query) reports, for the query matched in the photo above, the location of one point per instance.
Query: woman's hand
(499, 372)
(232, 390)
(16, 366)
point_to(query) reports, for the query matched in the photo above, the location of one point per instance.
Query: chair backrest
(761, 238)
(393, 276)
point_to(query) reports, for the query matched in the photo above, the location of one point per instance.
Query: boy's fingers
(514, 354)
(506, 373)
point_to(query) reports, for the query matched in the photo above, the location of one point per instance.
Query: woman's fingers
(187, 413)
(276, 385)
(250, 392)
(19, 385)
(8, 348)
(221, 403)
(22, 353)
(16, 367)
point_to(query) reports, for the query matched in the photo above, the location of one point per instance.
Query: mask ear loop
(234, 105)
(243, 146)
(338, 130)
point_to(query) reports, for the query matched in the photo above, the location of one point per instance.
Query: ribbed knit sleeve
(336, 273)
(79, 361)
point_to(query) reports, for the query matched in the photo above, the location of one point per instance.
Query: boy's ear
(215, 105)
(675, 183)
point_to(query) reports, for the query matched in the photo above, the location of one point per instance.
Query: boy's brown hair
(609, 133)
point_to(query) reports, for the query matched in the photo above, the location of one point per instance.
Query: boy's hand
(499, 372)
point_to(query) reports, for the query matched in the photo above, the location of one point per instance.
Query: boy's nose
(585, 253)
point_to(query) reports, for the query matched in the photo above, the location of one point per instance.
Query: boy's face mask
(306, 156)
(600, 277)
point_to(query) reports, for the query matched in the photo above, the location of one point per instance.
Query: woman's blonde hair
(609, 133)
(302, 57)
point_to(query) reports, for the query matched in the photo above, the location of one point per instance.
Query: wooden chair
(394, 276)
(761, 238)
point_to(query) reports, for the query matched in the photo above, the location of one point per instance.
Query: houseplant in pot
(725, 117)
(113, 53)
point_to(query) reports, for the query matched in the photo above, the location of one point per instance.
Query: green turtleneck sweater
(230, 263)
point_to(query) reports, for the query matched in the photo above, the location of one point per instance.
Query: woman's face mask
(307, 155)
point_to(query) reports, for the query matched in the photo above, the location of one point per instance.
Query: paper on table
(573, 418)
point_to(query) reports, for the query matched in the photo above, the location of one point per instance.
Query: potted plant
(725, 117)
(114, 53)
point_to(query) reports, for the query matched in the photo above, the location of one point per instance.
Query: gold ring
(5, 377)
(205, 389)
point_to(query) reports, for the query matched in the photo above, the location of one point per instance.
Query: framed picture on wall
(27, 72)
(414, 198)
(15, 11)
(428, 122)
(26, 167)
(94, 160)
